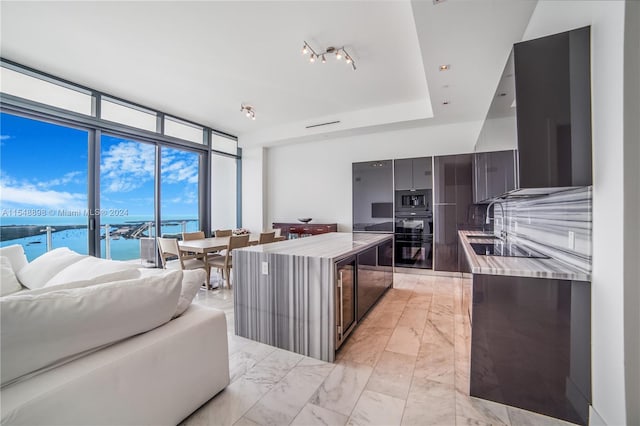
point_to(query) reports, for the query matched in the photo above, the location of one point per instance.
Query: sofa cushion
(91, 268)
(16, 256)
(40, 330)
(8, 281)
(43, 268)
(191, 282)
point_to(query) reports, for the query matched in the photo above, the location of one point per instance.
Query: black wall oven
(414, 240)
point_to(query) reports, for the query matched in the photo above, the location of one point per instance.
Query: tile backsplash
(557, 225)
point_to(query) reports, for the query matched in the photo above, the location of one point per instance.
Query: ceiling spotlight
(338, 52)
(444, 67)
(248, 110)
(445, 102)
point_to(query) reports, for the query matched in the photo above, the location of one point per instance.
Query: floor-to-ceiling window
(179, 191)
(43, 182)
(106, 172)
(127, 194)
(224, 183)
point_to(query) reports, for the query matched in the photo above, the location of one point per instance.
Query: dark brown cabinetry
(494, 174)
(413, 173)
(530, 344)
(553, 94)
(452, 198)
(297, 230)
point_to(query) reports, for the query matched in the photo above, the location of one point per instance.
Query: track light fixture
(249, 111)
(339, 53)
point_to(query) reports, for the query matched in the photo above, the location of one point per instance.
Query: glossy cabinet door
(445, 179)
(553, 97)
(345, 298)
(422, 178)
(494, 174)
(373, 184)
(479, 177)
(530, 344)
(453, 193)
(413, 173)
(371, 280)
(403, 174)
(445, 238)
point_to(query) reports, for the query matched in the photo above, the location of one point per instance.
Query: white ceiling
(201, 60)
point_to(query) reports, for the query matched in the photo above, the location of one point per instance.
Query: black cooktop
(498, 248)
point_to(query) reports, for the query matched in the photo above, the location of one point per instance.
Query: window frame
(95, 125)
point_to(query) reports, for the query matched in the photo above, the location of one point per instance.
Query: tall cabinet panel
(453, 194)
(373, 196)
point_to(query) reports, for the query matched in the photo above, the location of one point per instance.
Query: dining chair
(222, 233)
(197, 235)
(173, 258)
(225, 262)
(267, 237)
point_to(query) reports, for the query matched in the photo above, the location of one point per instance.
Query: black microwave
(414, 201)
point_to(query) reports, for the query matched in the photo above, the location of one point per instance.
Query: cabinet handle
(341, 327)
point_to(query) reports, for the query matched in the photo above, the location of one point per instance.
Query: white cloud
(71, 177)
(4, 137)
(21, 194)
(127, 166)
(179, 167)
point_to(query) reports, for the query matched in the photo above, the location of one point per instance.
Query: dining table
(210, 245)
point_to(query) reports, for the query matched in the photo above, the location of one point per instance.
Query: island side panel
(291, 307)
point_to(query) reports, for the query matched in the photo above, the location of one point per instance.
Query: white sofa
(113, 347)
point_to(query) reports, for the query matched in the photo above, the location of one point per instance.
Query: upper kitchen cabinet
(494, 174)
(413, 173)
(553, 109)
(373, 196)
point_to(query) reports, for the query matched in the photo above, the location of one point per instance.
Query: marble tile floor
(407, 363)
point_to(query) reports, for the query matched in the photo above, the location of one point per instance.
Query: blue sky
(44, 166)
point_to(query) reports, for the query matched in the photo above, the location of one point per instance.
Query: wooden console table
(298, 230)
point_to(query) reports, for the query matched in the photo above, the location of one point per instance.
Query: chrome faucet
(503, 232)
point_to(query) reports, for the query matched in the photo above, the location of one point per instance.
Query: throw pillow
(40, 330)
(16, 256)
(91, 268)
(40, 270)
(191, 282)
(8, 281)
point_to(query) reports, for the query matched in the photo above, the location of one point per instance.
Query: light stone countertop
(517, 266)
(333, 245)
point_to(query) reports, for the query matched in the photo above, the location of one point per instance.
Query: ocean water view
(124, 246)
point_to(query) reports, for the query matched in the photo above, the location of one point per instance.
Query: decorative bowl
(304, 219)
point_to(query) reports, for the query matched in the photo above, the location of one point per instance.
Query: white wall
(253, 184)
(314, 179)
(607, 30)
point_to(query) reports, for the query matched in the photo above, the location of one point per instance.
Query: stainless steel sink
(505, 250)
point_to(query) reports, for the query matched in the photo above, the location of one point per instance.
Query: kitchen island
(306, 295)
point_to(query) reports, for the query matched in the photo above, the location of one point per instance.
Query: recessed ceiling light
(438, 1)
(446, 86)
(444, 67)
(445, 102)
